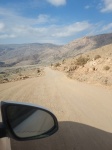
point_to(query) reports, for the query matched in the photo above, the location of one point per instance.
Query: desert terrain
(94, 67)
(12, 74)
(74, 81)
(84, 111)
(47, 53)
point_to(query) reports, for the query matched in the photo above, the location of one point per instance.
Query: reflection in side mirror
(26, 122)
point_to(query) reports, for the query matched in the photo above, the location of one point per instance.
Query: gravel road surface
(84, 111)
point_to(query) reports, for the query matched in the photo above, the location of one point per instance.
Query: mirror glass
(27, 121)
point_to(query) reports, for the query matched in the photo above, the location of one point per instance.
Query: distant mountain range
(86, 44)
(36, 53)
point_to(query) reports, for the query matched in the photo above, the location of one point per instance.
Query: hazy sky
(53, 21)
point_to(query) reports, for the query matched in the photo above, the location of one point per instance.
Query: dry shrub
(25, 77)
(72, 68)
(87, 55)
(38, 70)
(63, 61)
(106, 68)
(97, 57)
(57, 65)
(65, 68)
(94, 69)
(81, 61)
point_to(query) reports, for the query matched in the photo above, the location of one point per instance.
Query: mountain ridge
(46, 53)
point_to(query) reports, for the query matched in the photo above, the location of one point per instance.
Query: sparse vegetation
(106, 68)
(72, 68)
(15, 74)
(25, 77)
(38, 70)
(94, 69)
(63, 61)
(57, 65)
(81, 61)
(97, 57)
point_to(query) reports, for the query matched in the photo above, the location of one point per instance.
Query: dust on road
(84, 111)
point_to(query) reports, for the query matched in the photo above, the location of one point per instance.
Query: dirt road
(84, 111)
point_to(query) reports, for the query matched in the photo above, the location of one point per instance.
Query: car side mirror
(27, 122)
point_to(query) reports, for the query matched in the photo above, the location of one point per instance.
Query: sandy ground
(84, 111)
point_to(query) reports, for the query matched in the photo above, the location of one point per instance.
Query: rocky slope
(28, 54)
(35, 53)
(92, 67)
(85, 44)
(20, 73)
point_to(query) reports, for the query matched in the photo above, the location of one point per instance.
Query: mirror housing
(22, 121)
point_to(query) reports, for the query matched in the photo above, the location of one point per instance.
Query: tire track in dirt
(84, 111)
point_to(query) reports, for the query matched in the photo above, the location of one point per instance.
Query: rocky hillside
(85, 44)
(29, 54)
(20, 73)
(92, 67)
